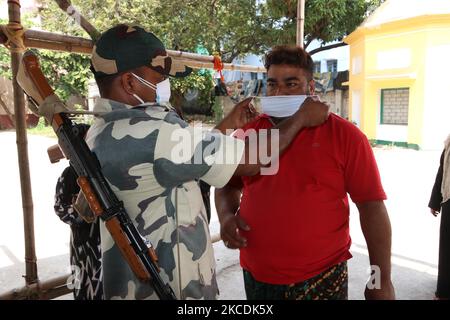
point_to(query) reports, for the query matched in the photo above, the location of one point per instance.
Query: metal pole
(31, 275)
(300, 22)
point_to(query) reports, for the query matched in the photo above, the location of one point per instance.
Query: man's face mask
(279, 106)
(162, 90)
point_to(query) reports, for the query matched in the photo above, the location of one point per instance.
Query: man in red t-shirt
(292, 228)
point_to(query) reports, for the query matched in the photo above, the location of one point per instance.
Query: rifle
(103, 202)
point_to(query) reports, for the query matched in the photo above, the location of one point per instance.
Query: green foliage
(41, 124)
(232, 27)
(197, 80)
(42, 129)
(5, 58)
(68, 73)
(5, 62)
(325, 20)
(217, 110)
(203, 82)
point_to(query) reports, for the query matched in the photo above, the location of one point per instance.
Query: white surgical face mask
(162, 90)
(280, 106)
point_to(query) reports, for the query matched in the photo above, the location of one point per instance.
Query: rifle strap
(51, 106)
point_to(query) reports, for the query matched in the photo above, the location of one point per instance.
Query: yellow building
(399, 77)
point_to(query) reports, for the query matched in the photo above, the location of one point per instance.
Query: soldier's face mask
(162, 90)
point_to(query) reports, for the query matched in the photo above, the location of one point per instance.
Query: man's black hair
(290, 55)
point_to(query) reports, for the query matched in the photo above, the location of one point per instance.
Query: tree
(228, 27)
(325, 20)
(231, 28)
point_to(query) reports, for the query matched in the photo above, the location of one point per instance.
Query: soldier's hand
(241, 114)
(313, 112)
(229, 231)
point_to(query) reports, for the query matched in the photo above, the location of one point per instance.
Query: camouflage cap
(126, 47)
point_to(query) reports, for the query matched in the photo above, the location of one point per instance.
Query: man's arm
(376, 228)
(227, 200)
(311, 114)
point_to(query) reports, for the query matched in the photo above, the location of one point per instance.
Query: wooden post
(31, 275)
(300, 22)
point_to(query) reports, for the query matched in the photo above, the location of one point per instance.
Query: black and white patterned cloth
(85, 249)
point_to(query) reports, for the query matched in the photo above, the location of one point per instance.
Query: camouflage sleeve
(185, 154)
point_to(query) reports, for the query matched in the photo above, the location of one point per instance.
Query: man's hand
(434, 212)
(313, 112)
(229, 231)
(376, 227)
(385, 292)
(241, 114)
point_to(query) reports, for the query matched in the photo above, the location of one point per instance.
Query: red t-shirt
(299, 218)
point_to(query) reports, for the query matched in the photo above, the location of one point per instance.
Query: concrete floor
(407, 177)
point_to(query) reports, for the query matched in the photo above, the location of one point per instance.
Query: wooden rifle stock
(33, 70)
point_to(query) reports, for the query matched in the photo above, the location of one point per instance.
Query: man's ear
(312, 87)
(128, 82)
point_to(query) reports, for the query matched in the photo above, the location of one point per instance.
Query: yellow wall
(356, 81)
(415, 35)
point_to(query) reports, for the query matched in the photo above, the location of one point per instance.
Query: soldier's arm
(311, 114)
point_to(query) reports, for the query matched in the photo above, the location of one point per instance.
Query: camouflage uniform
(134, 146)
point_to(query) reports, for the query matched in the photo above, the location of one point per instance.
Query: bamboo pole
(203, 61)
(58, 37)
(67, 7)
(31, 275)
(57, 46)
(49, 289)
(226, 66)
(60, 42)
(300, 22)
